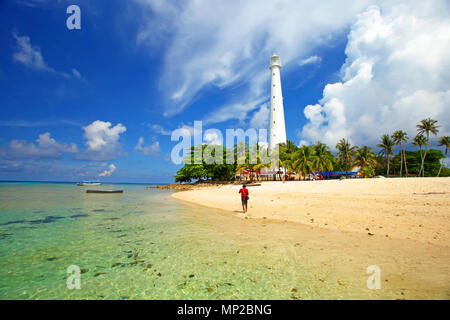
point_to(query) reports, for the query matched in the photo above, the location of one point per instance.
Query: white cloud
(213, 137)
(77, 74)
(32, 3)
(160, 129)
(260, 119)
(303, 143)
(31, 56)
(190, 129)
(226, 112)
(311, 60)
(214, 43)
(102, 141)
(397, 73)
(108, 172)
(45, 148)
(151, 150)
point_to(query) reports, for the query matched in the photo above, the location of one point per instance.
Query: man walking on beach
(244, 198)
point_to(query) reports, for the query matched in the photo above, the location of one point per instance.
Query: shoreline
(401, 208)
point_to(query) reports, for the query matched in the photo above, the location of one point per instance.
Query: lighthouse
(277, 126)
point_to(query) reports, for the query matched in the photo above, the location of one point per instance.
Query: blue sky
(111, 93)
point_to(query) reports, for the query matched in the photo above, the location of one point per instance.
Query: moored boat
(104, 191)
(89, 183)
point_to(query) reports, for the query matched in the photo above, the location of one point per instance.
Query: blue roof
(331, 173)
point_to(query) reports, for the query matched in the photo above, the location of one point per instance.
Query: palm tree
(387, 146)
(399, 138)
(303, 160)
(288, 162)
(420, 140)
(287, 151)
(427, 126)
(365, 157)
(288, 147)
(346, 153)
(443, 141)
(323, 158)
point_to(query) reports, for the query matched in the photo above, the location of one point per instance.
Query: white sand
(412, 208)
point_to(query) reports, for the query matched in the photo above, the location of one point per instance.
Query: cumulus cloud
(397, 72)
(213, 137)
(102, 141)
(108, 172)
(260, 119)
(242, 41)
(31, 56)
(150, 150)
(45, 148)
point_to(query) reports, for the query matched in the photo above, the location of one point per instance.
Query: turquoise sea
(143, 244)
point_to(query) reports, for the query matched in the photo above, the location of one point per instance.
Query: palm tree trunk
(421, 165)
(404, 157)
(423, 161)
(442, 162)
(440, 168)
(346, 168)
(401, 160)
(388, 166)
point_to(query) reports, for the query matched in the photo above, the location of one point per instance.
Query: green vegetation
(443, 141)
(387, 148)
(204, 170)
(302, 161)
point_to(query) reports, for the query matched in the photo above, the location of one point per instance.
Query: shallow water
(143, 244)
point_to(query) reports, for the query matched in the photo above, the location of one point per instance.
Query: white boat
(89, 183)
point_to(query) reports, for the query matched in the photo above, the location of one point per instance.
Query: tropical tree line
(421, 140)
(302, 161)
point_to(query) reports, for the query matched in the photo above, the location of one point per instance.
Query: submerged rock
(79, 216)
(47, 219)
(117, 264)
(12, 222)
(5, 235)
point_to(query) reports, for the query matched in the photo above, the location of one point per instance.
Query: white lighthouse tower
(277, 126)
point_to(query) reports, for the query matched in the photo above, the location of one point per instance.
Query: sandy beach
(398, 208)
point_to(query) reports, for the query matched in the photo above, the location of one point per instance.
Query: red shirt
(243, 192)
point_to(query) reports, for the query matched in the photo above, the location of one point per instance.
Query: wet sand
(415, 209)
